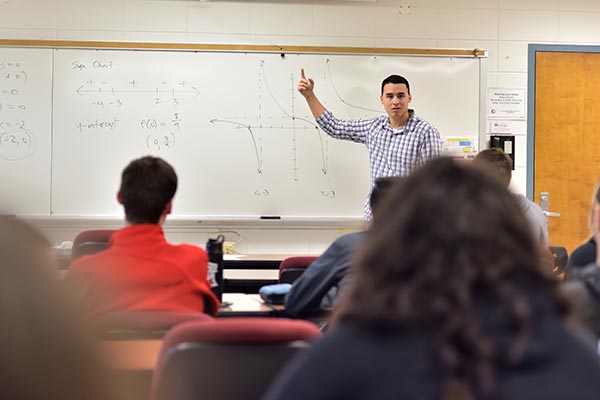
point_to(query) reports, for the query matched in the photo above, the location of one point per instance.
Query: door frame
(534, 48)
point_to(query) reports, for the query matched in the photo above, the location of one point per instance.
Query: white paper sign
(500, 127)
(506, 103)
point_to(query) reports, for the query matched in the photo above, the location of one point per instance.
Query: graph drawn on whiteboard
(291, 123)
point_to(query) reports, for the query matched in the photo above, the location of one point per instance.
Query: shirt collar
(408, 126)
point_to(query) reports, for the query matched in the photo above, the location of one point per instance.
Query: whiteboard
(25, 130)
(239, 135)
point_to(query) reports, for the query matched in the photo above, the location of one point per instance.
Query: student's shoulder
(528, 205)
(86, 265)
(350, 238)
(190, 251)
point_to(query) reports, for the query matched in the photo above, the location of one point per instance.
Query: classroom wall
(504, 27)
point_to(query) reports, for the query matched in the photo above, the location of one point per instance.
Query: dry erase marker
(270, 217)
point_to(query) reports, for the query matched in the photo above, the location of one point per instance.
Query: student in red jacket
(140, 270)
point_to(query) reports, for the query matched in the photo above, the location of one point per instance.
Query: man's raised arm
(305, 87)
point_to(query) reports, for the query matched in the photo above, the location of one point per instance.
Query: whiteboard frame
(308, 222)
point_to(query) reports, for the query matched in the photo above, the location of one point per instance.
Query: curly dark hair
(450, 241)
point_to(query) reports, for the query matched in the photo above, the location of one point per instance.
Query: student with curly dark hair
(447, 301)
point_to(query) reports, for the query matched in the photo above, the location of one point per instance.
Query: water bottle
(214, 249)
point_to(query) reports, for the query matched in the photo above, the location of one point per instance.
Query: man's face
(395, 99)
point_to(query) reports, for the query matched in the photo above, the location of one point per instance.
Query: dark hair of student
(381, 189)
(45, 353)
(395, 79)
(458, 241)
(147, 185)
(498, 163)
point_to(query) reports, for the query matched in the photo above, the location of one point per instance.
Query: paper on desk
(233, 256)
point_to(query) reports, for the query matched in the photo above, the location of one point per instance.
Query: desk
(142, 354)
(251, 274)
(247, 273)
(132, 361)
(257, 261)
(247, 305)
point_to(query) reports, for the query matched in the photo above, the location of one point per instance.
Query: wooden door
(567, 140)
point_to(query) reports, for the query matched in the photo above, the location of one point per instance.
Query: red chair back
(292, 267)
(233, 358)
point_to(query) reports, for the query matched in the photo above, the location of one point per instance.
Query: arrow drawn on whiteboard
(249, 128)
(294, 118)
(338, 94)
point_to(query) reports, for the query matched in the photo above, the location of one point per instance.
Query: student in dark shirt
(448, 300)
(586, 253)
(318, 287)
(585, 272)
(583, 255)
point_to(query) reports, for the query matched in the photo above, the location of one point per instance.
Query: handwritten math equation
(16, 140)
(164, 98)
(117, 100)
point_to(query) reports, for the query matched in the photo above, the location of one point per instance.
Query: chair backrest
(143, 324)
(232, 358)
(291, 268)
(91, 241)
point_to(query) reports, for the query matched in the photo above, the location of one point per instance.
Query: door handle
(551, 214)
(544, 201)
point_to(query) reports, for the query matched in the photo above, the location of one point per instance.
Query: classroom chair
(89, 242)
(233, 358)
(291, 268)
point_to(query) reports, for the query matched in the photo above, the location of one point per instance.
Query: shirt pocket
(399, 154)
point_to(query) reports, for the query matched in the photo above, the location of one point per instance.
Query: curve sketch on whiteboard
(294, 118)
(328, 62)
(259, 168)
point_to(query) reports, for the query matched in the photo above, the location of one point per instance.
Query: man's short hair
(395, 79)
(496, 162)
(147, 186)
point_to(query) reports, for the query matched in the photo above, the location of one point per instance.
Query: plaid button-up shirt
(392, 152)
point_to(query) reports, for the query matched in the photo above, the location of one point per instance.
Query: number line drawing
(194, 91)
(249, 128)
